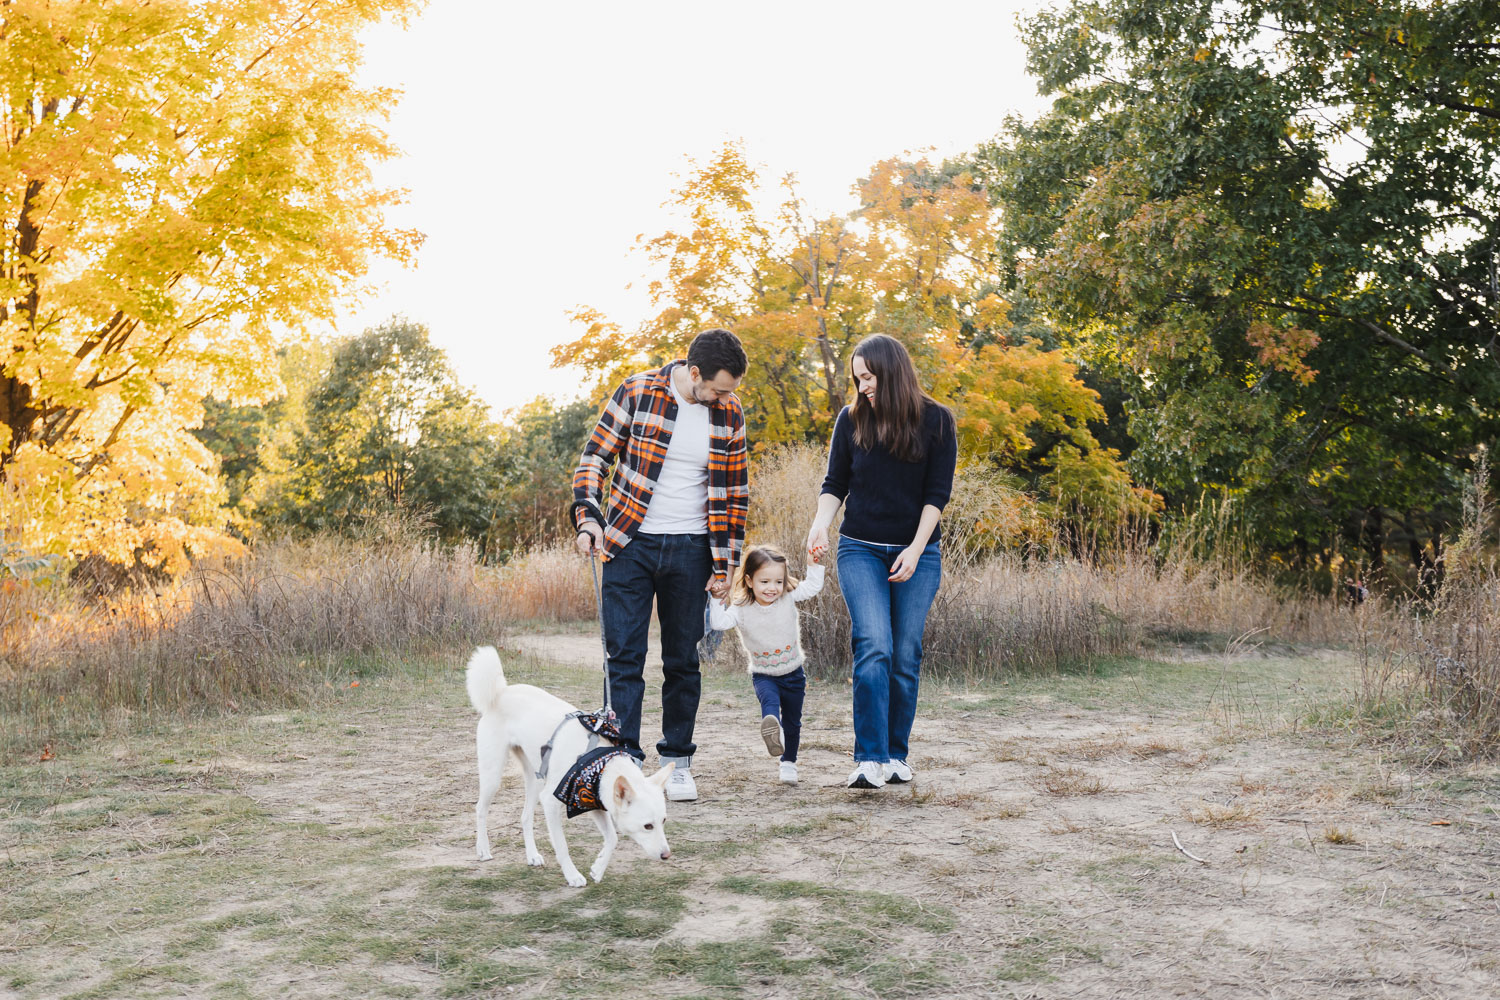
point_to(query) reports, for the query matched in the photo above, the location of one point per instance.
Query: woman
(891, 464)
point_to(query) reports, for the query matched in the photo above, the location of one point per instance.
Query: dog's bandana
(579, 788)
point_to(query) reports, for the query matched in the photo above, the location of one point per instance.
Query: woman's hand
(817, 541)
(905, 564)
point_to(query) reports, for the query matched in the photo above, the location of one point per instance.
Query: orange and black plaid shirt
(633, 433)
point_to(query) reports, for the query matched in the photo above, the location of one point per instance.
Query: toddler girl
(763, 607)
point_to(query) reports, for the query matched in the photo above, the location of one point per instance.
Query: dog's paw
(577, 881)
(485, 856)
(535, 860)
(597, 871)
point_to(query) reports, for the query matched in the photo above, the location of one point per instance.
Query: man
(673, 528)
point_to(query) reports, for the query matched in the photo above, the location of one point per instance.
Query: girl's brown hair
(897, 422)
(756, 557)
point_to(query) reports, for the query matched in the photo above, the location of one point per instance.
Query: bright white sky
(541, 139)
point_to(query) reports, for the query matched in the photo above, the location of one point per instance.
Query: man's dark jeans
(672, 570)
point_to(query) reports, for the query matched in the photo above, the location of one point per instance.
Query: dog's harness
(597, 723)
(579, 787)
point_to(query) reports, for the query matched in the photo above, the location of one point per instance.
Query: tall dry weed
(1454, 640)
(548, 584)
(1017, 596)
(265, 625)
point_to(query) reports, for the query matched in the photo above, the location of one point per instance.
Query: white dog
(519, 720)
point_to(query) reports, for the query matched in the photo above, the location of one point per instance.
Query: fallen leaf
(354, 684)
(47, 753)
(1440, 822)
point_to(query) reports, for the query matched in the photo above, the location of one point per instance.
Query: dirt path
(1032, 857)
(1049, 833)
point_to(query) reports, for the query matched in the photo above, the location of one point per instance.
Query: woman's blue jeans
(888, 620)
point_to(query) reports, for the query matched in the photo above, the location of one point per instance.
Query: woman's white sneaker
(869, 774)
(896, 772)
(788, 773)
(770, 731)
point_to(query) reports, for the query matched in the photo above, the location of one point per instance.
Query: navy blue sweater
(884, 496)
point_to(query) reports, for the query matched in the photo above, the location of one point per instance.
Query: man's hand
(590, 538)
(718, 586)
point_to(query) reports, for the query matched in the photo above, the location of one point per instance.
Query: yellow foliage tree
(916, 261)
(177, 181)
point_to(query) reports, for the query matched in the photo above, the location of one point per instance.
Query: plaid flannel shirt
(633, 433)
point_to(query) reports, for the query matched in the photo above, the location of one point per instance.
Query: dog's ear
(659, 779)
(622, 790)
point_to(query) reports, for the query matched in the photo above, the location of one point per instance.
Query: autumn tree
(177, 181)
(917, 260)
(1277, 224)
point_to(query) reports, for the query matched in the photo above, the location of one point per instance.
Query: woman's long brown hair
(897, 421)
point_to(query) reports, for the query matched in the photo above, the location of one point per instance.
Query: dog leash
(609, 708)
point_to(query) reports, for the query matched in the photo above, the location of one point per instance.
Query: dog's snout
(666, 853)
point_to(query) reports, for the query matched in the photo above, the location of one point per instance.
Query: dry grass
(1154, 748)
(1015, 598)
(549, 584)
(265, 626)
(1431, 669)
(1068, 781)
(1213, 814)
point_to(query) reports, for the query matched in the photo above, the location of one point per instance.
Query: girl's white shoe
(788, 772)
(770, 731)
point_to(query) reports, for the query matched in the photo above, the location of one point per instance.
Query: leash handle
(609, 709)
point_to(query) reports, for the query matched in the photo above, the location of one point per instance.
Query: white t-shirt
(679, 503)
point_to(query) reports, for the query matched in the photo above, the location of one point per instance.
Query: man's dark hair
(713, 351)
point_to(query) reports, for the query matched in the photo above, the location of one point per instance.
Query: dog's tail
(485, 680)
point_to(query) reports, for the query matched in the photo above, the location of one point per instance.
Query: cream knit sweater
(769, 632)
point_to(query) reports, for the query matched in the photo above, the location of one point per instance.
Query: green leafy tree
(387, 425)
(540, 443)
(1276, 225)
(246, 437)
